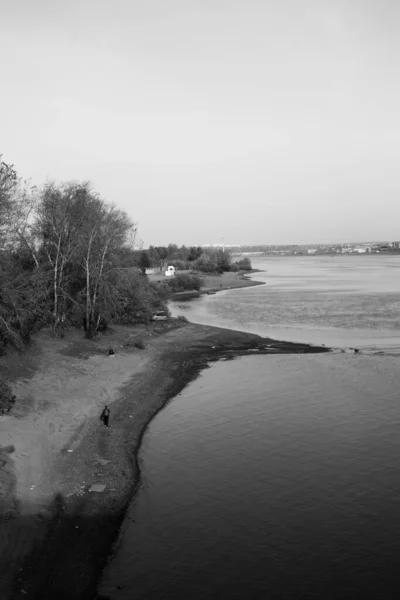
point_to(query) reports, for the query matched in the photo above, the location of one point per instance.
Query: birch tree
(8, 184)
(61, 216)
(18, 202)
(22, 293)
(105, 230)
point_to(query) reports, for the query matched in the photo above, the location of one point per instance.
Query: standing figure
(105, 415)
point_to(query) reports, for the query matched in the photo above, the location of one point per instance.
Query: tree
(104, 230)
(8, 184)
(17, 205)
(195, 253)
(22, 292)
(61, 215)
(83, 241)
(244, 264)
(144, 262)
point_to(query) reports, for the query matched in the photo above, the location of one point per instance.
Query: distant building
(312, 251)
(170, 272)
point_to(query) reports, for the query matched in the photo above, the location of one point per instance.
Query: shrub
(184, 282)
(182, 318)
(139, 344)
(7, 399)
(134, 299)
(244, 264)
(180, 265)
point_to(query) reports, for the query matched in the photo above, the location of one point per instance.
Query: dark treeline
(66, 257)
(205, 260)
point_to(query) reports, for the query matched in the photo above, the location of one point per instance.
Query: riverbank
(57, 534)
(218, 283)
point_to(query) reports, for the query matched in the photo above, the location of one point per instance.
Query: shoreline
(220, 283)
(72, 541)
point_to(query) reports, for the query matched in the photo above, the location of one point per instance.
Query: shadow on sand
(60, 556)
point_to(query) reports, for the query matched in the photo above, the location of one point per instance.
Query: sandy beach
(56, 533)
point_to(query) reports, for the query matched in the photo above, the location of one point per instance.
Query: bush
(7, 399)
(139, 344)
(185, 282)
(182, 318)
(135, 299)
(180, 265)
(244, 264)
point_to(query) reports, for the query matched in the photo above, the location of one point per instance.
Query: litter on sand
(97, 487)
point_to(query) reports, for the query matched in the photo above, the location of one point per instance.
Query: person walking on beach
(105, 415)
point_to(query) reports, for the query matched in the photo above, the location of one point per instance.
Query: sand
(56, 532)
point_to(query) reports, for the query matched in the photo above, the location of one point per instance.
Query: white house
(170, 272)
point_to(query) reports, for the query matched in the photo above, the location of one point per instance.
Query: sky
(242, 121)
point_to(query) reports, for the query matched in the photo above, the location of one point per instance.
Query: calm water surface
(339, 301)
(272, 476)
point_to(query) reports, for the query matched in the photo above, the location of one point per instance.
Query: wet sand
(58, 535)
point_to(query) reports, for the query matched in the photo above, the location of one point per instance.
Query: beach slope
(56, 533)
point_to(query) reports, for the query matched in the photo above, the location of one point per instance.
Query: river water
(338, 301)
(278, 476)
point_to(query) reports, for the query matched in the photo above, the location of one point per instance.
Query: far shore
(58, 535)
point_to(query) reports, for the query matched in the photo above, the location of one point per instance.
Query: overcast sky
(269, 121)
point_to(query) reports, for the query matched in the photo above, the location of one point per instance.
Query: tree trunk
(55, 288)
(88, 332)
(96, 288)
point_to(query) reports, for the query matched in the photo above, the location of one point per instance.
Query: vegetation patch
(7, 398)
